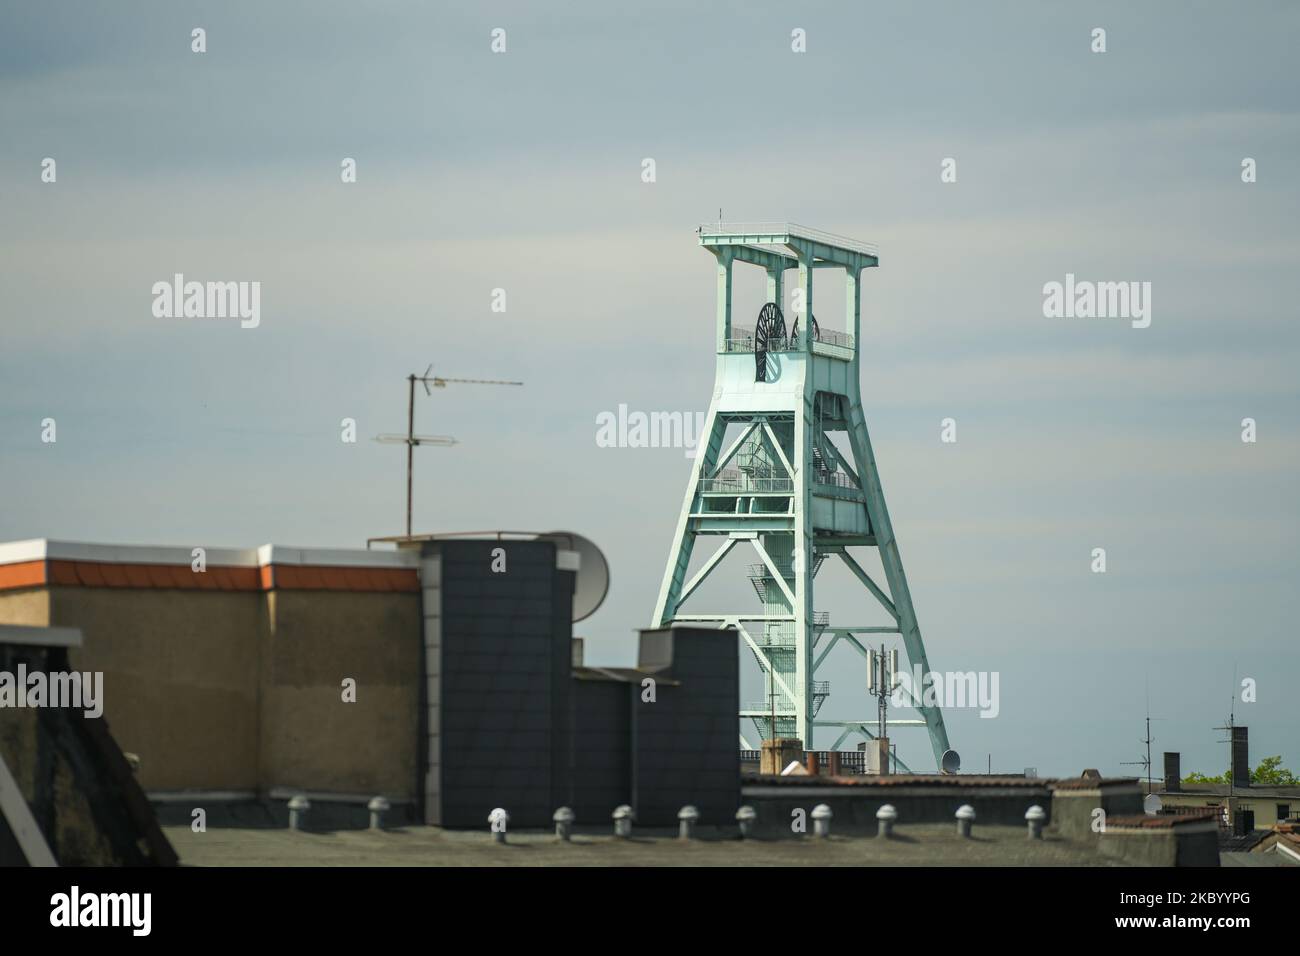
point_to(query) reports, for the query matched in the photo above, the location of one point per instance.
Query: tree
(1269, 773)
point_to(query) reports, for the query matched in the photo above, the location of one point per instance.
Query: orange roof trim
(102, 574)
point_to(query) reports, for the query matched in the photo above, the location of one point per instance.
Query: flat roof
(934, 844)
(779, 232)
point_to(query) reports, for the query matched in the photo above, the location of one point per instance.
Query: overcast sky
(522, 171)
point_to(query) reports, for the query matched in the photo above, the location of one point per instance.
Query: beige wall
(311, 739)
(1265, 808)
(30, 607)
(242, 690)
(180, 678)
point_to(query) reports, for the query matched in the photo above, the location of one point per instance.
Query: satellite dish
(593, 572)
(951, 762)
(1152, 804)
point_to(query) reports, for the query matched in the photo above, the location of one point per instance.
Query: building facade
(440, 675)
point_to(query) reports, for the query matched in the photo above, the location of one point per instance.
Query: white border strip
(41, 549)
(16, 552)
(334, 557)
(16, 812)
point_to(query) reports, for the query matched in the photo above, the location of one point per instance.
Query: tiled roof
(1162, 822)
(1230, 842)
(1288, 833)
(899, 780)
(1092, 783)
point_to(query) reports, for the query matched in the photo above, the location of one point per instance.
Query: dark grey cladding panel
(469, 620)
(518, 731)
(504, 666)
(600, 762)
(504, 719)
(700, 651)
(685, 741)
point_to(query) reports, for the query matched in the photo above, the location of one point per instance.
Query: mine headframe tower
(782, 487)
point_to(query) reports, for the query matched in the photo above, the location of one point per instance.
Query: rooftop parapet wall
(43, 563)
(1162, 840)
(1075, 804)
(917, 798)
(231, 678)
(181, 678)
(309, 738)
(1070, 804)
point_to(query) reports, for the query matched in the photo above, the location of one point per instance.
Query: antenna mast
(410, 439)
(1146, 762)
(1231, 729)
(882, 678)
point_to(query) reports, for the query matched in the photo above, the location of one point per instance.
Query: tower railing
(836, 479)
(832, 337)
(783, 707)
(742, 340)
(780, 634)
(738, 482)
(763, 571)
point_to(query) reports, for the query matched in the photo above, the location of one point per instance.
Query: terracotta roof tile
(105, 574)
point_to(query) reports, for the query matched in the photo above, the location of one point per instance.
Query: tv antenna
(411, 439)
(1231, 728)
(1145, 762)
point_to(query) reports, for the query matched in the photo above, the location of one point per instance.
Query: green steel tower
(782, 486)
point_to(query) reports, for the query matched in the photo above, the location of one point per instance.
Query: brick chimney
(1240, 758)
(1173, 772)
